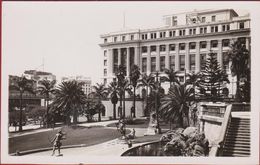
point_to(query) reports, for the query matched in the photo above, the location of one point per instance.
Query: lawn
(74, 135)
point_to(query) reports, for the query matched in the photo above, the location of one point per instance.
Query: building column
(167, 58)
(208, 48)
(137, 56)
(157, 58)
(187, 57)
(127, 61)
(197, 57)
(119, 56)
(220, 55)
(110, 62)
(248, 43)
(148, 60)
(177, 57)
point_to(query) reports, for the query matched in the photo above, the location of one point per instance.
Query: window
(225, 61)
(225, 43)
(162, 48)
(182, 46)
(205, 30)
(144, 64)
(105, 40)
(241, 25)
(174, 21)
(214, 44)
(225, 27)
(182, 32)
(153, 48)
(153, 64)
(202, 61)
(172, 47)
(132, 37)
(182, 62)
(203, 44)
(105, 81)
(162, 63)
(192, 45)
(192, 31)
(216, 28)
(105, 53)
(170, 33)
(201, 30)
(144, 49)
(115, 39)
(213, 18)
(203, 19)
(192, 62)
(115, 60)
(103, 112)
(162, 34)
(172, 62)
(144, 36)
(105, 72)
(105, 62)
(123, 38)
(153, 35)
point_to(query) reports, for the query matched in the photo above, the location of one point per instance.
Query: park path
(110, 148)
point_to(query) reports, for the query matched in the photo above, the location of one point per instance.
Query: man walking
(57, 142)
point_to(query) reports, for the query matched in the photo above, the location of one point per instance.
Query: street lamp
(156, 102)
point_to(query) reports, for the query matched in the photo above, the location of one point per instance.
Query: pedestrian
(57, 142)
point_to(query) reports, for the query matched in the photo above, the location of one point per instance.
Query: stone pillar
(148, 60)
(177, 57)
(167, 58)
(119, 56)
(187, 57)
(157, 58)
(110, 62)
(197, 57)
(127, 61)
(248, 43)
(208, 48)
(220, 55)
(137, 57)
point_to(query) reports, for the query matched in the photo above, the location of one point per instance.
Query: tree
(113, 90)
(69, 97)
(193, 79)
(175, 105)
(149, 83)
(46, 88)
(212, 78)
(171, 76)
(134, 76)
(240, 63)
(125, 87)
(22, 85)
(100, 92)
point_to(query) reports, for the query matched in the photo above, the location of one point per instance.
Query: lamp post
(156, 102)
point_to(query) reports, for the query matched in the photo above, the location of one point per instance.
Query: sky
(65, 36)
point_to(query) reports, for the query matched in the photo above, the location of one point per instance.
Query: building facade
(182, 44)
(86, 82)
(38, 76)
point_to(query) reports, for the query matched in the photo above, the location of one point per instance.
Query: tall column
(137, 56)
(187, 57)
(167, 58)
(177, 57)
(157, 58)
(208, 48)
(248, 43)
(197, 57)
(148, 60)
(220, 55)
(127, 61)
(119, 56)
(110, 62)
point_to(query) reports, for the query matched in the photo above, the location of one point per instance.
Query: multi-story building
(86, 82)
(182, 44)
(38, 76)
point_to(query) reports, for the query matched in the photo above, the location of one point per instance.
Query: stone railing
(217, 146)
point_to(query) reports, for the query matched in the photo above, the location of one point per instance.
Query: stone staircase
(237, 141)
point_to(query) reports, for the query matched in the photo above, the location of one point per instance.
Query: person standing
(57, 142)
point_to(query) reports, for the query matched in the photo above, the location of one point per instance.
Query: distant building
(86, 87)
(182, 44)
(38, 76)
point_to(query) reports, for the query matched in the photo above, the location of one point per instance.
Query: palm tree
(100, 92)
(239, 57)
(193, 79)
(121, 73)
(171, 76)
(175, 105)
(46, 88)
(22, 85)
(134, 76)
(113, 89)
(69, 97)
(149, 83)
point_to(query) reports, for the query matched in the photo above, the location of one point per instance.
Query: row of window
(182, 46)
(181, 62)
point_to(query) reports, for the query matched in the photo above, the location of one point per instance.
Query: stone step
(237, 142)
(238, 133)
(228, 152)
(228, 148)
(245, 145)
(236, 155)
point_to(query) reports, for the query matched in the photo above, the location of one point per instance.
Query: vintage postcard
(112, 82)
